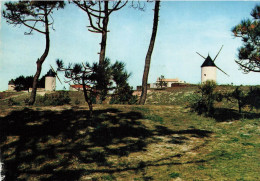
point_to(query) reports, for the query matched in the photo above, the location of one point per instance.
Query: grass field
(161, 140)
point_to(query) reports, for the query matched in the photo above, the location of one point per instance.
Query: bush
(117, 100)
(124, 95)
(197, 104)
(54, 99)
(77, 102)
(204, 101)
(26, 101)
(253, 97)
(12, 102)
(243, 98)
(240, 96)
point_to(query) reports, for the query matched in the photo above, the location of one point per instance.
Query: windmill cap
(11, 82)
(208, 62)
(50, 73)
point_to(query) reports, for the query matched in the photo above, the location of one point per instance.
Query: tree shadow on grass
(64, 145)
(224, 114)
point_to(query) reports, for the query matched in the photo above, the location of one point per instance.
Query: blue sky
(184, 28)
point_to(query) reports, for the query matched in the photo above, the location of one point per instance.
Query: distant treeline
(22, 83)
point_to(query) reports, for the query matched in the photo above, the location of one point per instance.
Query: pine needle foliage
(98, 80)
(249, 31)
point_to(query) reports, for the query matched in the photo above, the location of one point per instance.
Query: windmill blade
(56, 74)
(218, 53)
(200, 55)
(53, 70)
(222, 71)
(59, 78)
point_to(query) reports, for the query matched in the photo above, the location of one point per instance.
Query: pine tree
(98, 79)
(37, 16)
(98, 14)
(149, 53)
(249, 31)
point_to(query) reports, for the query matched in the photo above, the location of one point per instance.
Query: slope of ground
(129, 142)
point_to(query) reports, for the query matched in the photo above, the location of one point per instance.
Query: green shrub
(253, 97)
(77, 102)
(204, 101)
(26, 101)
(239, 96)
(54, 99)
(243, 98)
(123, 95)
(124, 100)
(12, 102)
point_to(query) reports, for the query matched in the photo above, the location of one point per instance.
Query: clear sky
(184, 28)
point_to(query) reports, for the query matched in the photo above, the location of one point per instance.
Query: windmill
(209, 68)
(50, 80)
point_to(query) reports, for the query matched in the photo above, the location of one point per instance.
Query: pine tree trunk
(87, 99)
(149, 53)
(104, 34)
(41, 60)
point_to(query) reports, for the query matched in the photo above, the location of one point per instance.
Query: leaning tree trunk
(104, 34)
(40, 61)
(149, 53)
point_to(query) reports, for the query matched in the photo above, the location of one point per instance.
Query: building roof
(208, 62)
(78, 86)
(169, 80)
(50, 73)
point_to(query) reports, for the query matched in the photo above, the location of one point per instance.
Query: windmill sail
(222, 71)
(218, 53)
(56, 74)
(200, 55)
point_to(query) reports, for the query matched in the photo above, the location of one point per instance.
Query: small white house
(171, 82)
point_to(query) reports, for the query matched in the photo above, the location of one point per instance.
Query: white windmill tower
(50, 80)
(209, 68)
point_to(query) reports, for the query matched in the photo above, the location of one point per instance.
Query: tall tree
(249, 31)
(98, 13)
(37, 16)
(149, 52)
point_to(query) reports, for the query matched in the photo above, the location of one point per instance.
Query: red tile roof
(78, 86)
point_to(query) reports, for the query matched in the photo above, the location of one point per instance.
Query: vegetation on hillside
(164, 141)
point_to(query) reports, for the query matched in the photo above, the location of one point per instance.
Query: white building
(11, 85)
(50, 81)
(208, 70)
(170, 82)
